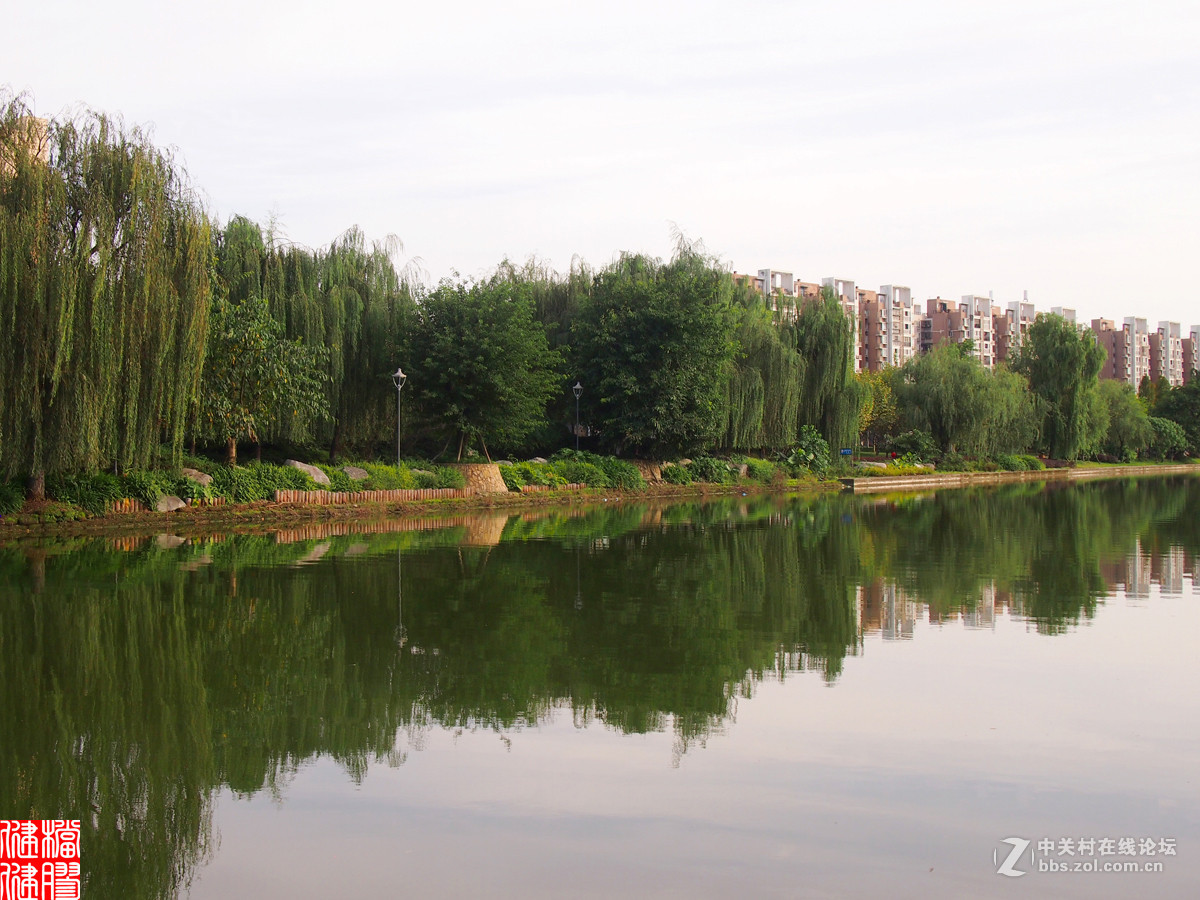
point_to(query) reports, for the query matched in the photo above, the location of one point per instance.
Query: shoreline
(900, 483)
(265, 516)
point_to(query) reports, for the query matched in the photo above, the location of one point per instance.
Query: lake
(976, 692)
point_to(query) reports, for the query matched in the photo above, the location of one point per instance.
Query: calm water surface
(820, 697)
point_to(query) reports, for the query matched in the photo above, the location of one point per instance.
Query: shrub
(620, 473)
(811, 452)
(953, 462)
(448, 477)
(258, 481)
(1010, 462)
(710, 470)
(12, 498)
(574, 471)
(338, 480)
(1032, 463)
(761, 470)
(425, 479)
(149, 487)
(512, 478)
(381, 477)
(676, 475)
(918, 443)
(91, 492)
(1169, 441)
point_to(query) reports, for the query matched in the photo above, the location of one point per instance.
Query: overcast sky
(956, 148)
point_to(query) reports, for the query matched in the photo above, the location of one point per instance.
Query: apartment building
(1166, 353)
(1189, 347)
(847, 294)
(978, 319)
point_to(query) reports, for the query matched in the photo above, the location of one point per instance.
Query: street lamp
(398, 380)
(577, 390)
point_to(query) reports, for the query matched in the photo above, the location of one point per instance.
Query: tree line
(137, 326)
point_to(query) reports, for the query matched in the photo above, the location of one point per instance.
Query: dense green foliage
(105, 257)
(963, 406)
(654, 345)
(1063, 366)
(481, 365)
(132, 325)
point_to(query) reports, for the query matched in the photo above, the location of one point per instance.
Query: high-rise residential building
(1139, 349)
(1064, 312)
(847, 295)
(886, 332)
(977, 325)
(1166, 353)
(1189, 348)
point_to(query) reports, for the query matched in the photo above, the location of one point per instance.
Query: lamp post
(398, 380)
(577, 390)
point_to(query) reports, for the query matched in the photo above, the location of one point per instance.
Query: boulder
(169, 503)
(355, 473)
(866, 464)
(311, 471)
(539, 459)
(742, 469)
(197, 476)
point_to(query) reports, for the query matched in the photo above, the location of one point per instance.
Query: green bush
(676, 475)
(448, 477)
(710, 470)
(513, 479)
(12, 498)
(1010, 462)
(574, 471)
(953, 462)
(761, 470)
(91, 492)
(149, 487)
(338, 479)
(620, 473)
(381, 477)
(810, 453)
(258, 481)
(1169, 441)
(918, 443)
(1032, 463)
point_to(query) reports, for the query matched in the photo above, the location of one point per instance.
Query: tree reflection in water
(138, 681)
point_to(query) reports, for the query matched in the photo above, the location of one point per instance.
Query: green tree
(1128, 430)
(655, 344)
(1063, 367)
(830, 398)
(105, 255)
(252, 373)
(1182, 406)
(482, 366)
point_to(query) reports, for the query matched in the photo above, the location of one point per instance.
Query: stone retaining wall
(341, 498)
(963, 479)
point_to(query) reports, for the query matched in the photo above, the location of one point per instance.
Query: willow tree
(763, 391)
(830, 396)
(104, 293)
(1063, 367)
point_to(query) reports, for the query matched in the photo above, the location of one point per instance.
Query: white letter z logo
(1019, 846)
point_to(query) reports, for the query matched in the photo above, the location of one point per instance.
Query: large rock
(197, 476)
(311, 471)
(169, 503)
(355, 473)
